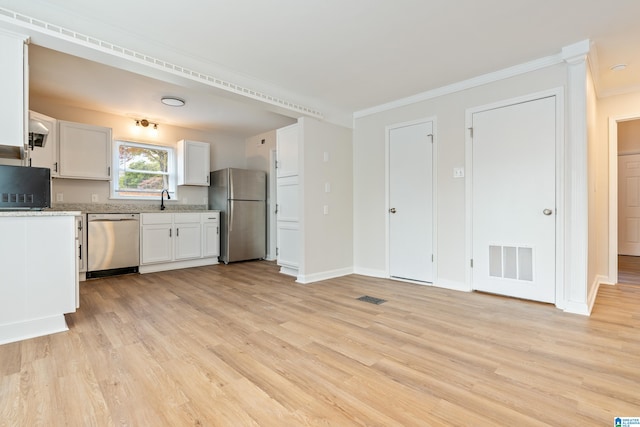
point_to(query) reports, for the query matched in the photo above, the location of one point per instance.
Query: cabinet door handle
(169, 232)
(55, 166)
(217, 230)
(108, 170)
(177, 232)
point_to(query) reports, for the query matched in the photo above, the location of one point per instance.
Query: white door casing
(513, 199)
(411, 240)
(629, 204)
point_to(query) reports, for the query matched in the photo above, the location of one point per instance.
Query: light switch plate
(458, 172)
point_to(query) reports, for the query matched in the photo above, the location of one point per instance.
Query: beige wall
(598, 220)
(629, 136)
(369, 171)
(620, 108)
(226, 151)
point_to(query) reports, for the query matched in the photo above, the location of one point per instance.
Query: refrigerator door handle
(230, 216)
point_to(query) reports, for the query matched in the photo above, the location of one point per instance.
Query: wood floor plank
(241, 344)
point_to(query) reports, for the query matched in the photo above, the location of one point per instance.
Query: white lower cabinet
(288, 224)
(177, 240)
(188, 240)
(211, 234)
(39, 274)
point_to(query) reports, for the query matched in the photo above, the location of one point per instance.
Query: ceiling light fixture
(172, 101)
(618, 67)
(144, 123)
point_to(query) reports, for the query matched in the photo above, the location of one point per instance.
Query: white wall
(257, 152)
(327, 158)
(226, 151)
(369, 170)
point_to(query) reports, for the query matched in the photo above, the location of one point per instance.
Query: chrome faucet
(162, 206)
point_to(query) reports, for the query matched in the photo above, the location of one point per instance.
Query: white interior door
(411, 202)
(629, 204)
(513, 200)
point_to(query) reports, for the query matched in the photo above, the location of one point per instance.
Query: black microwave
(23, 187)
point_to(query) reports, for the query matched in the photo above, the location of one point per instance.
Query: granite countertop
(38, 213)
(126, 207)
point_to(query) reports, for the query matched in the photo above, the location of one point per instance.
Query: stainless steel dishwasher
(113, 244)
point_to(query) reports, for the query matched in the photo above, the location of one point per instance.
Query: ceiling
(333, 56)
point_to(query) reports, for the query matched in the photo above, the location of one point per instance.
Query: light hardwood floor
(242, 345)
(629, 269)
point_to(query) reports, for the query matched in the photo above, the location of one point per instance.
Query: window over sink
(142, 170)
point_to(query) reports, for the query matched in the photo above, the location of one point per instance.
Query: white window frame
(172, 171)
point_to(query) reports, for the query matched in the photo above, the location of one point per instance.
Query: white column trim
(576, 215)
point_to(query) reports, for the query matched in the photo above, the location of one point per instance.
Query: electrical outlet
(458, 172)
(326, 209)
(94, 198)
(327, 187)
(59, 197)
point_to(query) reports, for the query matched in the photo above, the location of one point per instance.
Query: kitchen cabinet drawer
(156, 218)
(213, 216)
(184, 218)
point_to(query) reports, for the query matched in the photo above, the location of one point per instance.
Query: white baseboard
(153, 268)
(593, 293)
(577, 308)
(452, 284)
(289, 271)
(32, 328)
(370, 272)
(325, 275)
(584, 308)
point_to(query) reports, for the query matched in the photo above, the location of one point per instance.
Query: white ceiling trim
(537, 64)
(61, 33)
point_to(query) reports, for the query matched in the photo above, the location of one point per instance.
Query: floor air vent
(372, 300)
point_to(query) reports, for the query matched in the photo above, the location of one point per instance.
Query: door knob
(547, 211)
(392, 210)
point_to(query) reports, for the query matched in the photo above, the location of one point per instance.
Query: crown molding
(14, 21)
(567, 53)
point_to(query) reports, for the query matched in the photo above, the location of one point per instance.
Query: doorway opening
(625, 174)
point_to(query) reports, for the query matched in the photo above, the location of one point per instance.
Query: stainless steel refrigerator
(241, 197)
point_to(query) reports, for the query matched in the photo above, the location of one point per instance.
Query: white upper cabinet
(84, 151)
(47, 156)
(287, 150)
(193, 163)
(13, 108)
